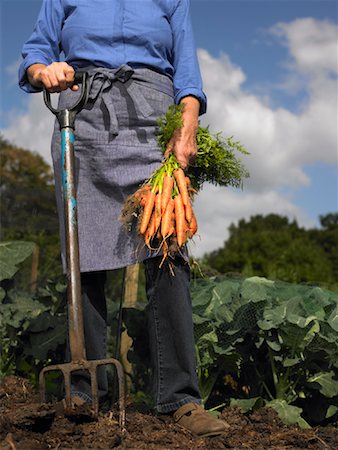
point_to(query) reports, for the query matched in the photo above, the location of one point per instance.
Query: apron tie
(101, 81)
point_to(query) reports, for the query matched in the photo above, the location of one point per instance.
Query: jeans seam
(159, 354)
(153, 305)
(165, 387)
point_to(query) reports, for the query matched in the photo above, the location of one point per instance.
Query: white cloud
(281, 141)
(33, 128)
(312, 44)
(217, 208)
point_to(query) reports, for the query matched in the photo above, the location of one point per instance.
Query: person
(141, 58)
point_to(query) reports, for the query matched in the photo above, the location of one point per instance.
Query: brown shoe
(196, 419)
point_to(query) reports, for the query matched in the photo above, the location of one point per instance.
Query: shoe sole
(211, 434)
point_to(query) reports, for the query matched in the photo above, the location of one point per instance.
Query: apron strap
(101, 81)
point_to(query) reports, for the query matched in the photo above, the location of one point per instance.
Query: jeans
(170, 328)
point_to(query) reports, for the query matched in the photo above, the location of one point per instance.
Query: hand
(183, 144)
(183, 140)
(56, 77)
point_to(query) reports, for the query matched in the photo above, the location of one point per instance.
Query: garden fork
(66, 119)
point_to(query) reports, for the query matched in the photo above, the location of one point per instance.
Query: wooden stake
(131, 286)
(130, 299)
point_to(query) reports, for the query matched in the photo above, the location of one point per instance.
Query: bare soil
(26, 424)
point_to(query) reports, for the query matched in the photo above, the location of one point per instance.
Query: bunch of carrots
(163, 208)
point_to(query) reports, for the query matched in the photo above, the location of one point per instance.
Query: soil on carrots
(26, 424)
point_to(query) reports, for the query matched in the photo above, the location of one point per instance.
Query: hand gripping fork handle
(66, 119)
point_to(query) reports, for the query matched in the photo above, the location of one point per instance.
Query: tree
(273, 247)
(329, 221)
(28, 206)
(327, 238)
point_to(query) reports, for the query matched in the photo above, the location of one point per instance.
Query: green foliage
(327, 239)
(289, 414)
(258, 342)
(283, 339)
(168, 124)
(32, 331)
(329, 221)
(28, 207)
(273, 247)
(215, 161)
(32, 326)
(12, 253)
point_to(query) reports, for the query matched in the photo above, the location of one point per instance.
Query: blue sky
(264, 61)
(238, 27)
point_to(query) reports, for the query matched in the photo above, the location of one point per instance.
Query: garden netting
(261, 342)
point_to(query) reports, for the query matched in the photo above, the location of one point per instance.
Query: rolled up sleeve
(43, 46)
(187, 76)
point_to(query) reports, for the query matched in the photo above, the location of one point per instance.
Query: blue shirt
(109, 33)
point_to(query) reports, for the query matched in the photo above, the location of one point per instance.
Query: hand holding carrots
(163, 209)
(183, 145)
(183, 140)
(163, 204)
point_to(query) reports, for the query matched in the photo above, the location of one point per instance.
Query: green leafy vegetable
(215, 162)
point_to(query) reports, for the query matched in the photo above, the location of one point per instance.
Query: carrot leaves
(216, 161)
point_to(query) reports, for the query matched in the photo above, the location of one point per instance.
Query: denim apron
(115, 152)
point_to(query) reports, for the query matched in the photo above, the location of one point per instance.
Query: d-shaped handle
(66, 117)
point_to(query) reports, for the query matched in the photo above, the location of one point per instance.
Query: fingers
(173, 142)
(185, 158)
(170, 148)
(185, 149)
(57, 77)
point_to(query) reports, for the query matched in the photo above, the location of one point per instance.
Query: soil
(26, 424)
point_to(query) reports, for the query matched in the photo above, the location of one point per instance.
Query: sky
(269, 69)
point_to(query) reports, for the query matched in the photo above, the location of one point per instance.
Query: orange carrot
(137, 195)
(165, 249)
(191, 191)
(146, 187)
(143, 190)
(142, 193)
(158, 200)
(182, 185)
(149, 234)
(188, 211)
(148, 208)
(167, 188)
(143, 200)
(192, 226)
(166, 218)
(181, 224)
(172, 226)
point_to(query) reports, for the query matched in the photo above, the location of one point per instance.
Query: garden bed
(26, 424)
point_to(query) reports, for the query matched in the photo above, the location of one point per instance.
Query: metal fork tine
(94, 387)
(91, 366)
(66, 376)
